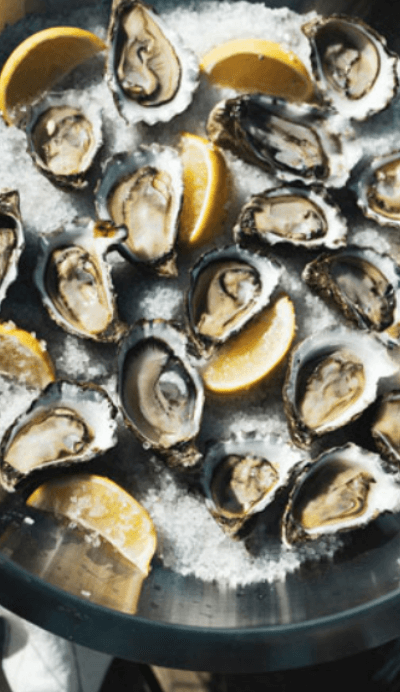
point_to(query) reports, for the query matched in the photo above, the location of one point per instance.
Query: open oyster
(299, 214)
(289, 140)
(242, 476)
(143, 191)
(63, 139)
(378, 188)
(161, 393)
(363, 283)
(12, 240)
(74, 281)
(228, 287)
(332, 377)
(352, 65)
(385, 428)
(344, 489)
(151, 74)
(68, 423)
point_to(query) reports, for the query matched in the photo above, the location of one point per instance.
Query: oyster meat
(152, 75)
(68, 423)
(344, 489)
(331, 379)
(12, 240)
(160, 391)
(378, 188)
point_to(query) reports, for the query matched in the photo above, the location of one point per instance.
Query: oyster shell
(385, 428)
(298, 214)
(228, 287)
(67, 423)
(151, 74)
(287, 139)
(63, 139)
(352, 65)
(242, 476)
(344, 489)
(12, 240)
(378, 188)
(143, 191)
(331, 379)
(74, 281)
(161, 393)
(363, 283)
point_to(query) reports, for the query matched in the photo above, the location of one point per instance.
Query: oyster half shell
(332, 377)
(385, 428)
(378, 188)
(344, 489)
(12, 239)
(152, 75)
(68, 423)
(160, 391)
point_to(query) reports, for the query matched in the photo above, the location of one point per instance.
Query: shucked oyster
(68, 423)
(12, 239)
(151, 74)
(352, 65)
(228, 287)
(242, 476)
(74, 281)
(385, 428)
(378, 188)
(143, 191)
(161, 393)
(298, 214)
(332, 377)
(344, 489)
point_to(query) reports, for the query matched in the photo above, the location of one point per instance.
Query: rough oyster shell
(352, 65)
(143, 191)
(385, 428)
(242, 476)
(74, 281)
(344, 489)
(67, 423)
(363, 283)
(12, 240)
(331, 379)
(378, 188)
(228, 287)
(64, 139)
(289, 140)
(151, 74)
(160, 391)
(298, 214)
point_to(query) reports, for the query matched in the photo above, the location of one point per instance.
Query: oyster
(12, 240)
(385, 428)
(352, 65)
(151, 74)
(242, 476)
(289, 140)
(298, 214)
(228, 287)
(363, 283)
(331, 379)
(344, 489)
(74, 281)
(68, 423)
(378, 188)
(161, 393)
(63, 139)
(143, 191)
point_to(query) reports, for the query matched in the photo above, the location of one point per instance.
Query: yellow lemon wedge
(40, 61)
(254, 353)
(99, 504)
(205, 190)
(252, 64)
(24, 358)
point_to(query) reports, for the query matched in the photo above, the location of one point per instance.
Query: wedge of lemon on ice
(255, 352)
(98, 504)
(206, 185)
(253, 64)
(24, 358)
(40, 61)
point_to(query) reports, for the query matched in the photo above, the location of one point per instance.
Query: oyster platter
(241, 383)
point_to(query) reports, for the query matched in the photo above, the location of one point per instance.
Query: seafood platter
(200, 333)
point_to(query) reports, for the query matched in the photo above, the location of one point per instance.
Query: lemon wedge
(100, 505)
(205, 190)
(254, 353)
(252, 64)
(24, 358)
(40, 61)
